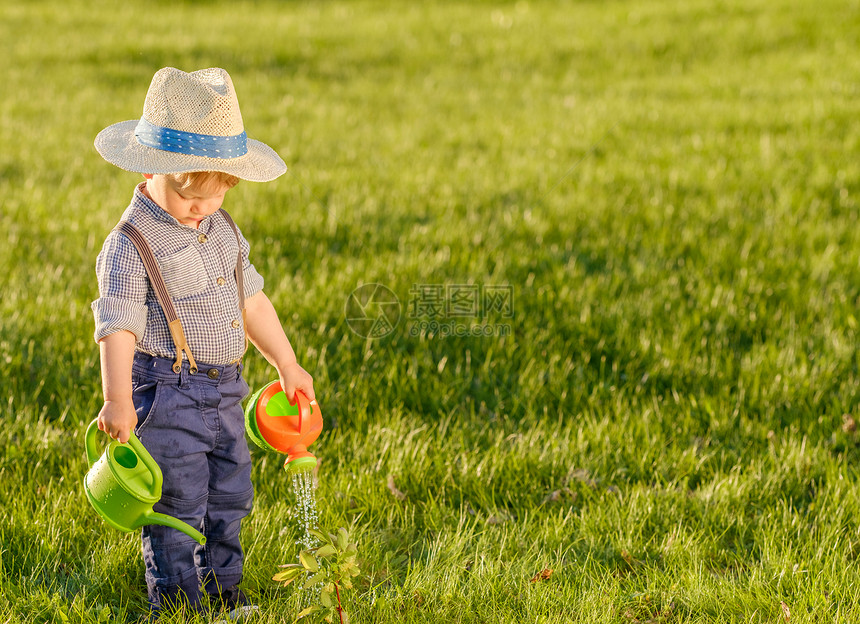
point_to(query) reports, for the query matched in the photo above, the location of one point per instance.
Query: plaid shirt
(198, 266)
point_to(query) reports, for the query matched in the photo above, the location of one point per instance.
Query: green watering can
(124, 483)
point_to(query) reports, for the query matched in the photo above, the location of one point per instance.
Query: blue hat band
(191, 143)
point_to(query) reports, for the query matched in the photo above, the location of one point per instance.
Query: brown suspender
(240, 273)
(154, 274)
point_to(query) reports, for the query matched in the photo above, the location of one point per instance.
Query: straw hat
(191, 122)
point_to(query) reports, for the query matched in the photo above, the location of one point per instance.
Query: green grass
(670, 189)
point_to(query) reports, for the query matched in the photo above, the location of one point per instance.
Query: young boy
(172, 331)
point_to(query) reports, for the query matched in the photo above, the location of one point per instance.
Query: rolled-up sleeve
(253, 280)
(123, 287)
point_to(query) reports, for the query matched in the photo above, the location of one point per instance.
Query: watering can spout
(169, 521)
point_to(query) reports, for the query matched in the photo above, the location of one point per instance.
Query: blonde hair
(201, 179)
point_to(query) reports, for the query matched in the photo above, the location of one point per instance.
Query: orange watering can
(124, 483)
(274, 424)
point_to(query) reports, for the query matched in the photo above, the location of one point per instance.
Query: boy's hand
(117, 419)
(293, 377)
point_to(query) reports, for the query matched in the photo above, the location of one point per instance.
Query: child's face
(188, 206)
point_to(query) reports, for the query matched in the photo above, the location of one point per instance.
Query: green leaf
(326, 551)
(351, 549)
(308, 561)
(355, 571)
(314, 580)
(342, 538)
(288, 576)
(104, 614)
(325, 599)
(319, 535)
(308, 611)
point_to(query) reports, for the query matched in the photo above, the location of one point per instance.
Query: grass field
(669, 190)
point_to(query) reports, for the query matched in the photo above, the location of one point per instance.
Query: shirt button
(201, 238)
(221, 281)
(235, 324)
(213, 373)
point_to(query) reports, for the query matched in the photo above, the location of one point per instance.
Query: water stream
(306, 505)
(304, 485)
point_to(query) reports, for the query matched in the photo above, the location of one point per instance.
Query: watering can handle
(92, 449)
(301, 400)
(139, 449)
(304, 407)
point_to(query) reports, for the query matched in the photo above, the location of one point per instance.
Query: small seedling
(331, 567)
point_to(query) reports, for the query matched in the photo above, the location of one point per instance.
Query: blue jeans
(194, 427)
